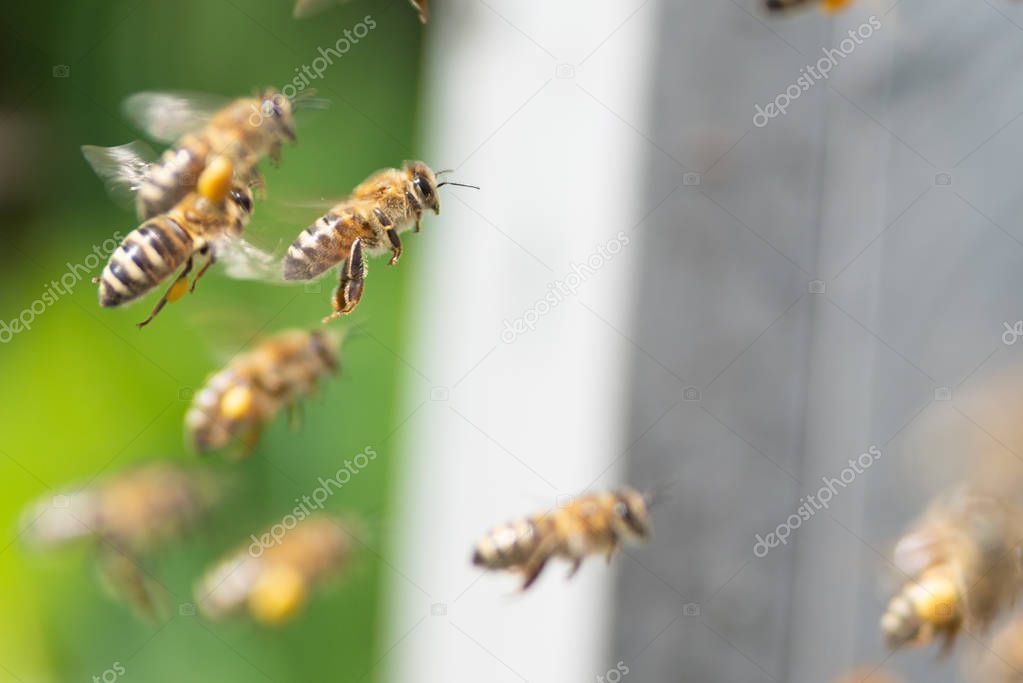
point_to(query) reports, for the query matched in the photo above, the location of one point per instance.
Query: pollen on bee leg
(279, 592)
(236, 402)
(215, 180)
(832, 6)
(177, 290)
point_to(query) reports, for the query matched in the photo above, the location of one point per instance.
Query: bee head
(241, 195)
(631, 513)
(278, 112)
(424, 183)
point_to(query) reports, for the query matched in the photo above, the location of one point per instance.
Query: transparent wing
(122, 168)
(166, 116)
(307, 8)
(243, 260)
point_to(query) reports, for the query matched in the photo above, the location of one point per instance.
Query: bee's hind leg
(173, 293)
(211, 258)
(349, 289)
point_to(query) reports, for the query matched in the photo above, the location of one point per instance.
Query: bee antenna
(450, 182)
(659, 494)
(446, 170)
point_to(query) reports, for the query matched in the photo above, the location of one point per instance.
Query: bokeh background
(780, 299)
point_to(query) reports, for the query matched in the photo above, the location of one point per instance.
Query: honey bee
(249, 393)
(307, 8)
(386, 204)
(245, 130)
(129, 517)
(961, 559)
(588, 525)
(205, 223)
(830, 6)
(868, 674)
(274, 579)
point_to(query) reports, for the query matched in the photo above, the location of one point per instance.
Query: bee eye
(622, 510)
(242, 200)
(423, 186)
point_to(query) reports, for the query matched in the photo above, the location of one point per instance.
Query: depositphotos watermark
(811, 75)
(310, 503)
(558, 290)
(74, 274)
(813, 503)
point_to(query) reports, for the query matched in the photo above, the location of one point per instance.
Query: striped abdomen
(168, 181)
(148, 255)
(328, 241)
(508, 546)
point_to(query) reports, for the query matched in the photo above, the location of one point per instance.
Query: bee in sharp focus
(274, 575)
(205, 223)
(130, 516)
(592, 524)
(241, 399)
(369, 222)
(245, 130)
(830, 6)
(963, 568)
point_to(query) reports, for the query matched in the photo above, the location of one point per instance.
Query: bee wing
(122, 168)
(224, 589)
(243, 260)
(307, 8)
(166, 116)
(126, 580)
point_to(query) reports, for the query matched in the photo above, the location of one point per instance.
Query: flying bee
(829, 6)
(129, 516)
(273, 577)
(588, 525)
(963, 567)
(869, 674)
(208, 222)
(386, 204)
(248, 394)
(307, 8)
(245, 130)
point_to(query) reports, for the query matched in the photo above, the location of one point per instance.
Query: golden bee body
(255, 386)
(273, 579)
(829, 6)
(245, 131)
(962, 568)
(591, 524)
(370, 221)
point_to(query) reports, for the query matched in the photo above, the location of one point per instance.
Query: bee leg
(349, 290)
(392, 234)
(257, 182)
(169, 295)
(537, 561)
(211, 258)
(576, 563)
(295, 415)
(275, 154)
(612, 553)
(250, 438)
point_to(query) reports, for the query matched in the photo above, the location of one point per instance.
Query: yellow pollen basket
(215, 180)
(278, 594)
(832, 6)
(236, 402)
(177, 290)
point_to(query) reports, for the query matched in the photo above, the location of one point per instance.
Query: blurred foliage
(87, 394)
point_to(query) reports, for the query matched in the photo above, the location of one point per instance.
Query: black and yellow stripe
(145, 258)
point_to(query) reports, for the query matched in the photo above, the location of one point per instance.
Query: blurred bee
(307, 8)
(205, 222)
(129, 516)
(588, 525)
(383, 206)
(1003, 661)
(963, 565)
(273, 577)
(830, 6)
(249, 393)
(245, 130)
(869, 674)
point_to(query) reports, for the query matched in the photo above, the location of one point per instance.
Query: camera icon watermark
(440, 394)
(692, 179)
(1012, 332)
(438, 609)
(186, 609)
(564, 71)
(691, 609)
(943, 179)
(186, 394)
(690, 394)
(61, 501)
(313, 287)
(61, 71)
(816, 287)
(563, 500)
(943, 394)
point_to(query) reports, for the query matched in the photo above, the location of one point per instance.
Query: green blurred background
(86, 394)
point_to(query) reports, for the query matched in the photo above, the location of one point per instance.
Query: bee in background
(245, 130)
(829, 6)
(244, 397)
(274, 580)
(369, 222)
(129, 516)
(962, 562)
(592, 524)
(205, 222)
(869, 674)
(307, 8)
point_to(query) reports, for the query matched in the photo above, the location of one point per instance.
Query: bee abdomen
(168, 181)
(510, 545)
(146, 257)
(316, 249)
